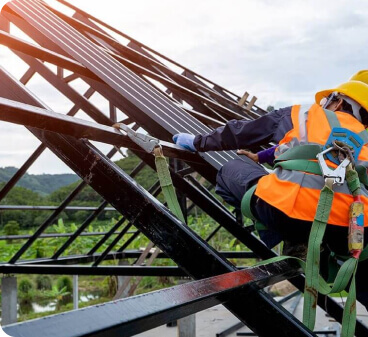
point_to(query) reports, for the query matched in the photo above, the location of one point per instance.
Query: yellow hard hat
(361, 75)
(356, 90)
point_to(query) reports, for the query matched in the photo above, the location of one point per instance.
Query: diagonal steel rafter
(67, 142)
(135, 171)
(169, 234)
(79, 231)
(36, 154)
(133, 315)
(154, 190)
(90, 18)
(139, 57)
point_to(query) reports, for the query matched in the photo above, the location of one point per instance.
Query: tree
(270, 108)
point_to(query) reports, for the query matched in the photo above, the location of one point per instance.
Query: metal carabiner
(338, 174)
(146, 142)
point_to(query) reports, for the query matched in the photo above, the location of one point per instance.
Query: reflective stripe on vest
(297, 193)
(303, 118)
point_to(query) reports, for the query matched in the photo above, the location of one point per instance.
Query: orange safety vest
(296, 193)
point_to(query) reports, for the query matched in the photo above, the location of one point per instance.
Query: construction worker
(285, 201)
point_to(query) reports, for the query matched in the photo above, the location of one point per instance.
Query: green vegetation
(64, 282)
(43, 282)
(25, 286)
(40, 183)
(57, 290)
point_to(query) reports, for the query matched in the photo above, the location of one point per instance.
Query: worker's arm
(263, 157)
(238, 134)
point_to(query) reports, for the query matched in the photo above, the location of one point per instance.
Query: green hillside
(40, 183)
(30, 191)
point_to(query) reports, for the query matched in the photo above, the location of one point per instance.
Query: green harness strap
(364, 135)
(314, 282)
(167, 185)
(308, 151)
(332, 119)
(246, 209)
(298, 159)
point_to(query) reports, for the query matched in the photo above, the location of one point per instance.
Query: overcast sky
(280, 51)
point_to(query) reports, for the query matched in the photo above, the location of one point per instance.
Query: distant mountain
(40, 183)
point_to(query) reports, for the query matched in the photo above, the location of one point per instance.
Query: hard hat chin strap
(336, 96)
(354, 105)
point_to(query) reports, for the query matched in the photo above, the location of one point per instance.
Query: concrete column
(186, 325)
(75, 292)
(122, 280)
(8, 300)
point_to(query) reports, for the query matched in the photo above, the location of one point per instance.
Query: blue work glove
(185, 140)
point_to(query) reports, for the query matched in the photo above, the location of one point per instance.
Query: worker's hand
(251, 155)
(185, 140)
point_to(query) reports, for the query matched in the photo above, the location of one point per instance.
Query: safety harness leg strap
(166, 184)
(313, 255)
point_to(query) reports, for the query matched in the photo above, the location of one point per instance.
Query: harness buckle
(338, 174)
(146, 142)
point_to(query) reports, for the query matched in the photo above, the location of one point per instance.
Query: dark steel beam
(103, 24)
(50, 208)
(133, 315)
(134, 172)
(114, 255)
(28, 115)
(245, 235)
(44, 54)
(51, 269)
(80, 230)
(47, 222)
(19, 174)
(66, 89)
(12, 87)
(75, 259)
(127, 87)
(54, 235)
(154, 190)
(31, 31)
(162, 228)
(150, 67)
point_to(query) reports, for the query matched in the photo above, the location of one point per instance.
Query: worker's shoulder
(281, 112)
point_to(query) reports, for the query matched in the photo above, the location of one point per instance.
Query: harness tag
(343, 137)
(356, 228)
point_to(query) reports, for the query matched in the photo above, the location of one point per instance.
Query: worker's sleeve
(239, 134)
(267, 156)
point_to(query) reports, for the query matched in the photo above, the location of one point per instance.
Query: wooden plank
(243, 99)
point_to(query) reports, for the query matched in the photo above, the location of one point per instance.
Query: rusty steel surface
(123, 74)
(133, 315)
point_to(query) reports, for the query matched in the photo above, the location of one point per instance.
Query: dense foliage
(58, 289)
(87, 197)
(40, 183)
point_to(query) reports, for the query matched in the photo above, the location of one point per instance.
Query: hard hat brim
(356, 90)
(322, 94)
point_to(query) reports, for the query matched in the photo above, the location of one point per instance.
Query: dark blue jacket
(241, 134)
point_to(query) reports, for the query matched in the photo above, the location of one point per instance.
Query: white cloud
(280, 51)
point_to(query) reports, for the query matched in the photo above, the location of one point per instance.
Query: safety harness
(152, 145)
(342, 148)
(298, 158)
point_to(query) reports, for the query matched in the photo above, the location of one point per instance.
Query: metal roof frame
(126, 76)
